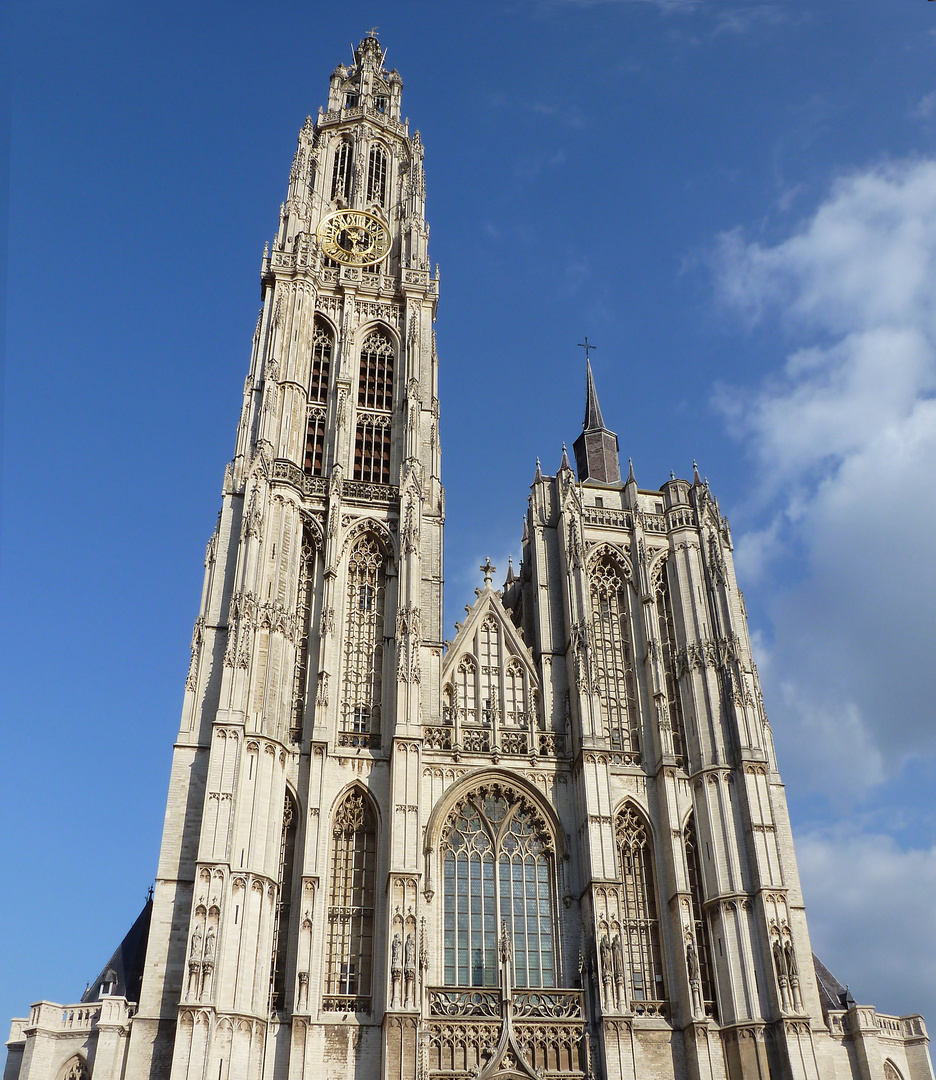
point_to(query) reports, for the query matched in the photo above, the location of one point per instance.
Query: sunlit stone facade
(556, 847)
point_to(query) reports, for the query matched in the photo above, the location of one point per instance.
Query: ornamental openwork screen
(614, 659)
(498, 863)
(349, 959)
(640, 929)
(363, 644)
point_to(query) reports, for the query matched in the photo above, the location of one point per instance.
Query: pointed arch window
(377, 175)
(375, 402)
(514, 712)
(314, 464)
(700, 929)
(341, 170)
(284, 897)
(667, 631)
(614, 663)
(498, 866)
(640, 927)
(362, 679)
(488, 648)
(351, 894)
(304, 620)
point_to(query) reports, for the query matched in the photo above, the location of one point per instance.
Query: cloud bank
(844, 438)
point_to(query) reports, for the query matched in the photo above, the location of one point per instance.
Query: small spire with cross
(587, 347)
(487, 569)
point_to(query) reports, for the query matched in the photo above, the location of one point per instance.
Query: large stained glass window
(643, 966)
(349, 958)
(498, 859)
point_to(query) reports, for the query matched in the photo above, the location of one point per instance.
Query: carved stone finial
(487, 569)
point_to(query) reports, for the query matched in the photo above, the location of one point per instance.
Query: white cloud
(926, 106)
(870, 911)
(845, 439)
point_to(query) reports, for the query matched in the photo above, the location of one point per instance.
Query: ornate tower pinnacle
(596, 449)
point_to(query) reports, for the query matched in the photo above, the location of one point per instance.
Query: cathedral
(555, 848)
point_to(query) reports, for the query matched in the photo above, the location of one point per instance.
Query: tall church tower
(556, 848)
(317, 649)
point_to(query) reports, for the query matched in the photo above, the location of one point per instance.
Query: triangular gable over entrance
(491, 691)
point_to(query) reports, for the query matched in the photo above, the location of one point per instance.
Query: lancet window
(700, 930)
(284, 896)
(667, 631)
(498, 867)
(363, 645)
(351, 893)
(318, 393)
(304, 620)
(377, 176)
(614, 662)
(640, 929)
(341, 170)
(374, 417)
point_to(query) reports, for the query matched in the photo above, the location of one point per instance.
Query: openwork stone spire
(596, 449)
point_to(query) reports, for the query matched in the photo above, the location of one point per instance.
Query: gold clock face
(353, 237)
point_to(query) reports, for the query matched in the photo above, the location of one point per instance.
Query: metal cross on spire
(587, 347)
(373, 31)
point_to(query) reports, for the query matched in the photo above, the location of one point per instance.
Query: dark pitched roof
(125, 968)
(831, 992)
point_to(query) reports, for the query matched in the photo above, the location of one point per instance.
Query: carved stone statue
(196, 941)
(210, 943)
(409, 961)
(692, 961)
(618, 954)
(607, 962)
(396, 952)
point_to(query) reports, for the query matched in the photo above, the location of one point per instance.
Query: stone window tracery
(341, 170)
(284, 897)
(498, 867)
(614, 666)
(362, 677)
(640, 929)
(700, 930)
(375, 404)
(77, 1069)
(490, 699)
(351, 897)
(304, 620)
(667, 631)
(377, 176)
(318, 392)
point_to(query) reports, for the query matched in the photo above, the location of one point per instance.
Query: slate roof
(832, 995)
(125, 967)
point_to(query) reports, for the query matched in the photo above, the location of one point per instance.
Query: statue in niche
(409, 970)
(396, 967)
(210, 943)
(196, 941)
(692, 961)
(618, 954)
(607, 969)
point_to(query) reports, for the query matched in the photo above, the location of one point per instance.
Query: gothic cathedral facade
(557, 847)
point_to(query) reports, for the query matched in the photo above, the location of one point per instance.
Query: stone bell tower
(318, 642)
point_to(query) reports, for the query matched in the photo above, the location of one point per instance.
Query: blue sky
(735, 200)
